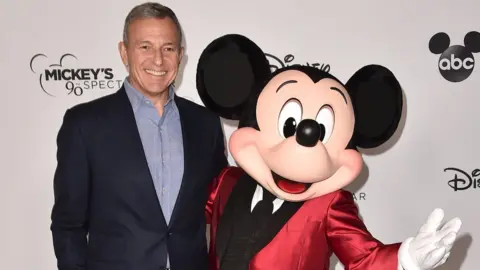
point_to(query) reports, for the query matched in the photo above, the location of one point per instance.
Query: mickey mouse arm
(351, 241)
(220, 189)
(212, 190)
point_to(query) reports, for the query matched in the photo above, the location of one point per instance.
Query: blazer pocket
(309, 224)
(106, 248)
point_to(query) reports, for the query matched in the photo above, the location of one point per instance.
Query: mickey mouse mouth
(288, 185)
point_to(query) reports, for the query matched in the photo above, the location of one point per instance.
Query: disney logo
(463, 180)
(277, 63)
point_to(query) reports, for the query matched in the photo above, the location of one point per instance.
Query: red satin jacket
(322, 226)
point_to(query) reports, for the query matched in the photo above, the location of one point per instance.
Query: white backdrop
(402, 185)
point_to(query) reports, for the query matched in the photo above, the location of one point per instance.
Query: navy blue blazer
(103, 188)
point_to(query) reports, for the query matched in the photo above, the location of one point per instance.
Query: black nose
(309, 133)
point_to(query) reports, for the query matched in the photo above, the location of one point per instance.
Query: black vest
(241, 234)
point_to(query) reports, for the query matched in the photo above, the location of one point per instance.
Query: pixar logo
(456, 62)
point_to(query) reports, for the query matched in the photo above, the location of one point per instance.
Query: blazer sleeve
(71, 184)
(352, 243)
(220, 162)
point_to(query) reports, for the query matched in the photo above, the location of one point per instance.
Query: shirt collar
(137, 98)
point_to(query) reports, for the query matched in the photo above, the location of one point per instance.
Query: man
(134, 167)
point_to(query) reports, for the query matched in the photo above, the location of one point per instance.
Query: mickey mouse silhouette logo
(456, 62)
(47, 73)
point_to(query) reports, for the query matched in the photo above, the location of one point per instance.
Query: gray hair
(151, 10)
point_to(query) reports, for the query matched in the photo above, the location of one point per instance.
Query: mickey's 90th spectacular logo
(277, 63)
(66, 77)
(463, 180)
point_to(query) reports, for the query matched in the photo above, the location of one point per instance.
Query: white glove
(431, 246)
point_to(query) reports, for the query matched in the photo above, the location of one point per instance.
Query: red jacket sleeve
(220, 189)
(220, 163)
(351, 241)
(220, 192)
(213, 191)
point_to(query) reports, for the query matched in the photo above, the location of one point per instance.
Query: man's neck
(158, 100)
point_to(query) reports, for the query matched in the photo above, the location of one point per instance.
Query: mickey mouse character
(284, 208)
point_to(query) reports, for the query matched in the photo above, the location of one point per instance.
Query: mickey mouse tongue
(289, 186)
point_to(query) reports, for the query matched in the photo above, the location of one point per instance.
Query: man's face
(153, 54)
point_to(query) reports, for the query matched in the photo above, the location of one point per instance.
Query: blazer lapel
(128, 137)
(189, 130)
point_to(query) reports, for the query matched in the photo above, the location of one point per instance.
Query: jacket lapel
(189, 131)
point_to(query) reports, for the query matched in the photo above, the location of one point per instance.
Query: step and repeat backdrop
(431, 46)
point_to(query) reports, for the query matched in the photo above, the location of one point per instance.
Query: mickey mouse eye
(325, 119)
(289, 117)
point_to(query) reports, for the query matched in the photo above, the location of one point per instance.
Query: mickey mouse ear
(378, 102)
(228, 73)
(472, 41)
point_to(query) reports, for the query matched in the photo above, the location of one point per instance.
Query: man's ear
(122, 49)
(181, 53)
(228, 72)
(377, 102)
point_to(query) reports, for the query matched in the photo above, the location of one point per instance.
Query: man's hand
(431, 246)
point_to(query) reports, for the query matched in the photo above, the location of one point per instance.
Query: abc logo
(456, 62)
